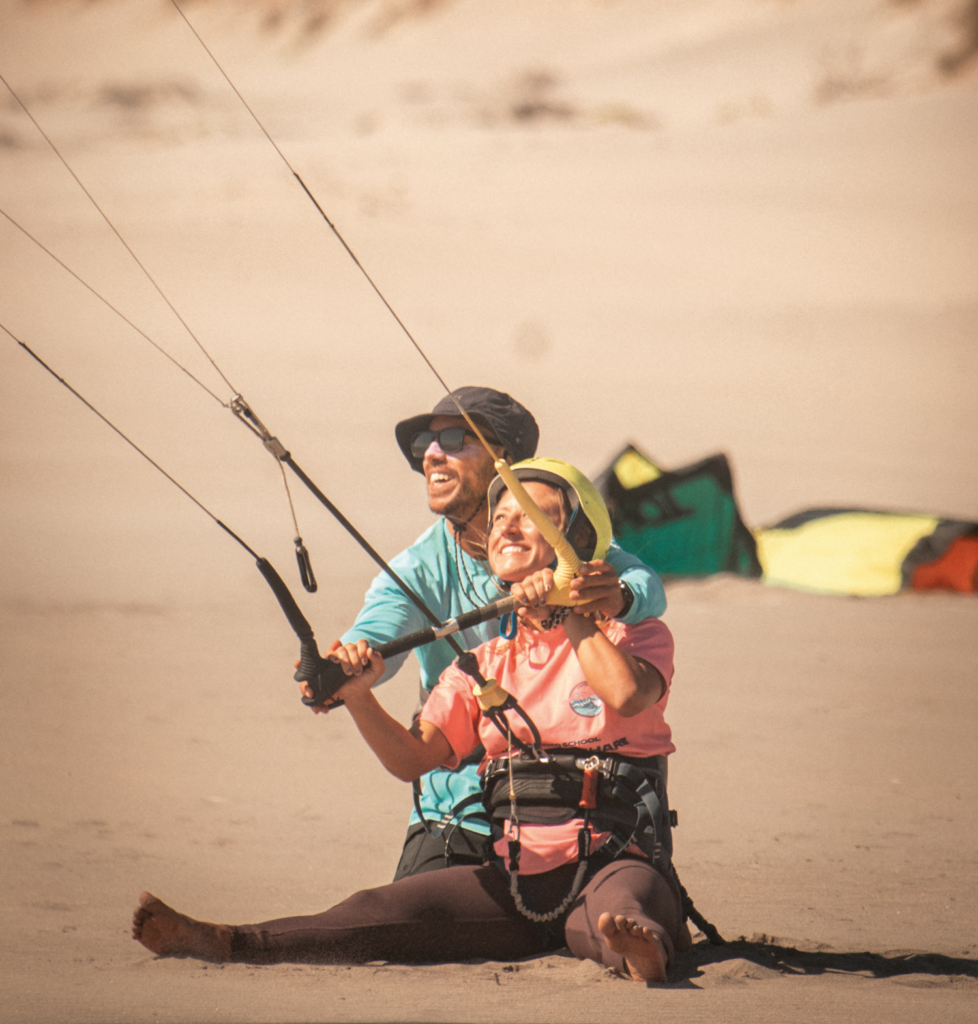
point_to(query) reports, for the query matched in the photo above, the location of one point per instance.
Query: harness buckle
(514, 855)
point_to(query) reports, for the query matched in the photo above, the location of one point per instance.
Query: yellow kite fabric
(858, 553)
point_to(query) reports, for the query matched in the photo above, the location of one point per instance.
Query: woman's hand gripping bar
(326, 676)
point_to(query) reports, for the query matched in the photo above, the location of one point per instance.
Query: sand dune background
(741, 225)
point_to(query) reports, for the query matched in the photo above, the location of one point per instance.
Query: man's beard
(462, 511)
(469, 500)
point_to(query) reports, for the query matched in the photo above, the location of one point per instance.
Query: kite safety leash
(296, 619)
(324, 676)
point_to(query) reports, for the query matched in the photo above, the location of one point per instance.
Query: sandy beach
(741, 226)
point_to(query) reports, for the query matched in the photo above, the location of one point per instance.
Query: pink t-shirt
(542, 672)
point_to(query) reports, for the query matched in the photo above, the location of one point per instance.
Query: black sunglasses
(450, 440)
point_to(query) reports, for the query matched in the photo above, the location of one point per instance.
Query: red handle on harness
(589, 786)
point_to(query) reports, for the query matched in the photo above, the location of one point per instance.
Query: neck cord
(460, 561)
(457, 530)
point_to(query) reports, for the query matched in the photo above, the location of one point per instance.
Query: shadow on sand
(763, 957)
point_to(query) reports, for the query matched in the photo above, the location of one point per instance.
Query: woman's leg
(460, 913)
(628, 918)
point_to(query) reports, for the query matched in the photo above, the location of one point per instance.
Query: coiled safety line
(513, 834)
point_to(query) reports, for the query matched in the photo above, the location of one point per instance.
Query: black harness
(621, 795)
(618, 794)
(614, 793)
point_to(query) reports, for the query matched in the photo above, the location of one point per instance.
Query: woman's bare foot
(645, 956)
(166, 933)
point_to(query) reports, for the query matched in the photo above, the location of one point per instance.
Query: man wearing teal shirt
(446, 568)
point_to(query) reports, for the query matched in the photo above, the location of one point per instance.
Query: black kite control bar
(325, 677)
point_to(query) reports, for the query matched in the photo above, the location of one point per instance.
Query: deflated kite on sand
(685, 522)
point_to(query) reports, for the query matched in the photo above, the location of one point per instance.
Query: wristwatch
(627, 598)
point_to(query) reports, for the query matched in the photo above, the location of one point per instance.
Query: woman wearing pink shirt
(582, 857)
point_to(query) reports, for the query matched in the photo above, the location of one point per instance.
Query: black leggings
(465, 913)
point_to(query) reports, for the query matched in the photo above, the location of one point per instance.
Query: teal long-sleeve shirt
(450, 582)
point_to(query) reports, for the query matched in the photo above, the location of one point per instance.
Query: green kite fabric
(682, 522)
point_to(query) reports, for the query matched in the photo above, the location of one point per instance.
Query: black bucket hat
(502, 416)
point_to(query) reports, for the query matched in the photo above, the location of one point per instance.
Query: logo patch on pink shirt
(584, 702)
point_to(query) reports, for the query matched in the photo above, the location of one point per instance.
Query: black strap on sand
(691, 913)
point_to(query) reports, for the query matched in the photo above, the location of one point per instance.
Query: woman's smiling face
(516, 547)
